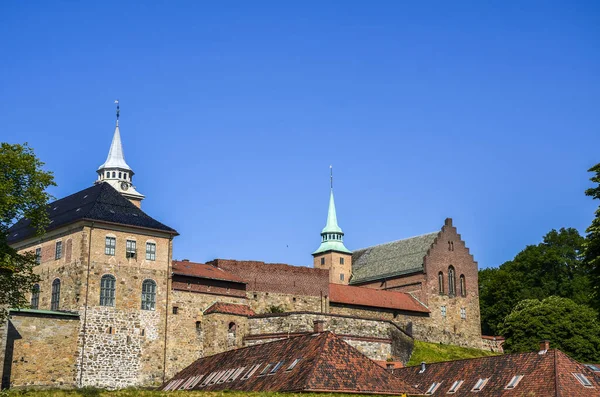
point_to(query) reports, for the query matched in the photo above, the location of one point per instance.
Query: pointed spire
(116, 158)
(332, 225)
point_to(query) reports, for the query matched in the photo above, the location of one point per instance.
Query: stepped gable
(325, 364)
(544, 374)
(278, 277)
(391, 259)
(358, 296)
(99, 203)
(202, 270)
(230, 308)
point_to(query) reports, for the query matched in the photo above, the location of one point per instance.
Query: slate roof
(326, 364)
(230, 308)
(549, 374)
(100, 202)
(359, 296)
(201, 270)
(390, 259)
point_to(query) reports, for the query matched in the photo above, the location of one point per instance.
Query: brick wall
(207, 286)
(339, 273)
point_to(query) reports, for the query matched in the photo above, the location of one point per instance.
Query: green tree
(592, 240)
(553, 267)
(570, 327)
(23, 193)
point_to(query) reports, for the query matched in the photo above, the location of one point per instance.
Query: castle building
(113, 309)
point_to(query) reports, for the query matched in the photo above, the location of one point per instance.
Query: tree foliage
(23, 185)
(570, 327)
(592, 240)
(553, 267)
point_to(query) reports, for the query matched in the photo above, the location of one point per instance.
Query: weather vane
(117, 102)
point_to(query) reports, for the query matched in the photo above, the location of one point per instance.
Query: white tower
(116, 171)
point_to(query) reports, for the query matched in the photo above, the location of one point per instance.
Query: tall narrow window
(443, 310)
(148, 295)
(441, 283)
(463, 313)
(151, 251)
(322, 261)
(232, 329)
(107, 290)
(130, 249)
(451, 281)
(38, 255)
(35, 296)
(109, 245)
(58, 250)
(463, 286)
(341, 261)
(54, 302)
(341, 276)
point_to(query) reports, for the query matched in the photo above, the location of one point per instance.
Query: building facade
(116, 310)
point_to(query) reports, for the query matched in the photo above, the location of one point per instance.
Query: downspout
(85, 306)
(167, 309)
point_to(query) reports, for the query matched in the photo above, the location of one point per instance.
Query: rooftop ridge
(395, 241)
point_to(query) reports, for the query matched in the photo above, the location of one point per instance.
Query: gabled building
(546, 373)
(319, 362)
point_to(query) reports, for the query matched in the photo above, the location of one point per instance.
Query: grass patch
(148, 393)
(435, 353)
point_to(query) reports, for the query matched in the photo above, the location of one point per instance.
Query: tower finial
(331, 176)
(117, 102)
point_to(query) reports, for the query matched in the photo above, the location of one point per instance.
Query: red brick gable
(539, 373)
(359, 296)
(230, 308)
(277, 277)
(326, 364)
(192, 269)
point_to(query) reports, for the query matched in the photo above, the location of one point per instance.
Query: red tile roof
(230, 308)
(326, 364)
(549, 374)
(360, 296)
(192, 269)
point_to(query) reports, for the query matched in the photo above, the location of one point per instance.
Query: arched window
(232, 329)
(451, 281)
(35, 296)
(463, 286)
(441, 283)
(54, 302)
(148, 295)
(107, 290)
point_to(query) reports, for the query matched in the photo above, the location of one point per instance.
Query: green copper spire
(332, 237)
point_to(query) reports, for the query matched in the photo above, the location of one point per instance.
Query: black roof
(100, 202)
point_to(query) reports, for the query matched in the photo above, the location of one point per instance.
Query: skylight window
(226, 375)
(434, 386)
(276, 367)
(196, 380)
(265, 370)
(208, 379)
(235, 374)
(583, 380)
(480, 384)
(455, 386)
(514, 382)
(251, 371)
(593, 367)
(293, 364)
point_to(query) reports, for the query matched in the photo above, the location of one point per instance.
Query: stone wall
(379, 340)
(267, 302)
(41, 350)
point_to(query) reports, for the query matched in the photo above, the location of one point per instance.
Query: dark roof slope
(549, 374)
(359, 296)
(100, 202)
(326, 364)
(390, 259)
(202, 270)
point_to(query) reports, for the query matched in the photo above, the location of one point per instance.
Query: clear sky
(232, 112)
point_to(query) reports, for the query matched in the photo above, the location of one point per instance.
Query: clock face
(124, 185)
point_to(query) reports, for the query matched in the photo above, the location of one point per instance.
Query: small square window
(175, 309)
(58, 250)
(443, 309)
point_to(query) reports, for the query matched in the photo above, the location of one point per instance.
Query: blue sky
(232, 112)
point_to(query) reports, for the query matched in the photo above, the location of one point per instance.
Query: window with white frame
(293, 364)
(455, 386)
(109, 245)
(130, 249)
(434, 386)
(148, 295)
(583, 380)
(514, 382)
(151, 251)
(463, 313)
(480, 384)
(251, 371)
(443, 309)
(276, 367)
(58, 250)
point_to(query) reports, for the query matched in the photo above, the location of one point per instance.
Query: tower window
(149, 296)
(58, 250)
(151, 251)
(35, 296)
(54, 302)
(130, 249)
(341, 276)
(109, 245)
(322, 261)
(119, 175)
(107, 174)
(114, 175)
(107, 290)
(341, 261)
(463, 287)
(451, 281)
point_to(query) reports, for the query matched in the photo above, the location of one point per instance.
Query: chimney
(448, 222)
(185, 260)
(318, 326)
(544, 346)
(423, 367)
